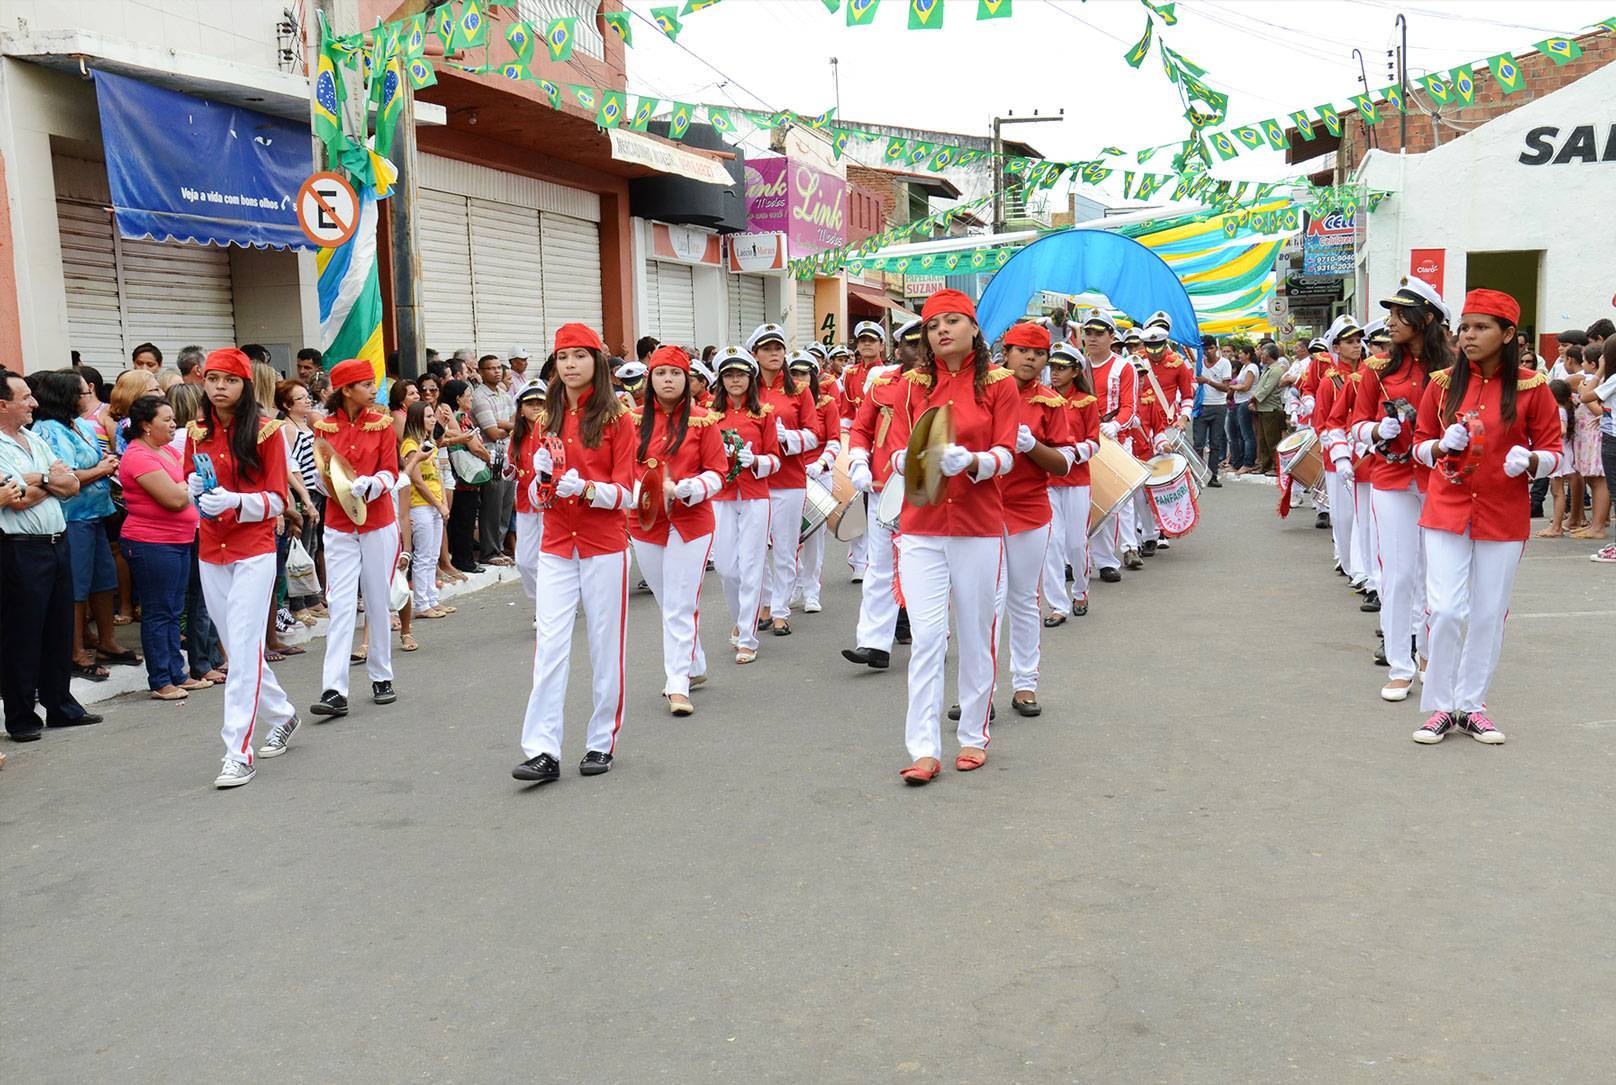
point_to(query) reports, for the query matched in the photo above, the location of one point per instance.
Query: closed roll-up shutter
(176, 295)
(675, 316)
(571, 272)
(746, 308)
(446, 296)
(89, 268)
(806, 325)
(506, 270)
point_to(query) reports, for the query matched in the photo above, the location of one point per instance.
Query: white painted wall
(237, 31)
(1474, 195)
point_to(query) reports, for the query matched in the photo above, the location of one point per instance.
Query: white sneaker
(812, 607)
(1396, 690)
(279, 736)
(234, 774)
(857, 578)
(1163, 544)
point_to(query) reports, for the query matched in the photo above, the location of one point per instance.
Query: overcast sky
(1270, 56)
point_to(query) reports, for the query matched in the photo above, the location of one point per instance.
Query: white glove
(899, 458)
(1308, 404)
(1456, 438)
(1110, 429)
(685, 489)
(570, 484)
(543, 462)
(815, 469)
(790, 439)
(1343, 469)
(956, 458)
(859, 475)
(1024, 439)
(194, 483)
(1516, 461)
(1162, 442)
(218, 500)
(533, 493)
(1083, 451)
(746, 457)
(367, 487)
(1389, 428)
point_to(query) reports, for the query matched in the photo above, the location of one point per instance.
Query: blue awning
(187, 169)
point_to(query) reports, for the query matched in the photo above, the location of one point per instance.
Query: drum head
(891, 504)
(849, 521)
(1294, 442)
(1166, 468)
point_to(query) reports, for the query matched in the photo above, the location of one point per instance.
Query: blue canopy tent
(1078, 261)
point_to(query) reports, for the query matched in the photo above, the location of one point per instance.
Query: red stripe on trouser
(622, 642)
(252, 720)
(993, 655)
(700, 580)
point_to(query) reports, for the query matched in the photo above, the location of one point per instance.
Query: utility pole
(1402, 85)
(406, 251)
(998, 158)
(836, 86)
(1363, 78)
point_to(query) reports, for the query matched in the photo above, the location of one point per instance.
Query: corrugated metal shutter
(89, 268)
(571, 272)
(746, 307)
(806, 324)
(175, 295)
(446, 272)
(507, 278)
(674, 318)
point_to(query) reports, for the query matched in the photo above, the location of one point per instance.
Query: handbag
(467, 468)
(398, 590)
(301, 578)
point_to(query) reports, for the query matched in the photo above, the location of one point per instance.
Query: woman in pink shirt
(159, 536)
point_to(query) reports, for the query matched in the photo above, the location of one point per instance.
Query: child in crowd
(1559, 482)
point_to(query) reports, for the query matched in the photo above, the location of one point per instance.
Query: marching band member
(873, 440)
(811, 559)
(741, 536)
(796, 422)
(236, 548)
(1365, 559)
(631, 378)
(702, 380)
(1175, 387)
(1346, 338)
(583, 557)
(1487, 427)
(1419, 347)
(952, 552)
(681, 440)
(1315, 367)
(526, 438)
(1043, 450)
(359, 556)
(1133, 343)
(1116, 387)
(1069, 493)
(869, 354)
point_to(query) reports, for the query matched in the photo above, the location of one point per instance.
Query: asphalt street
(1216, 857)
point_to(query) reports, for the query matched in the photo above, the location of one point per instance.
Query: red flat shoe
(965, 762)
(923, 771)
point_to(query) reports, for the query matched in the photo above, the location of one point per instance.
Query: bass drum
(1114, 476)
(816, 509)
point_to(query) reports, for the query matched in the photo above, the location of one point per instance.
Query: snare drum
(1301, 458)
(848, 521)
(1183, 446)
(1114, 476)
(1172, 496)
(817, 506)
(890, 507)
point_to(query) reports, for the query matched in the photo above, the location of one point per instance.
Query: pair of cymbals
(338, 475)
(923, 478)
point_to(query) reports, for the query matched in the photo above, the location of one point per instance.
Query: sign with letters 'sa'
(1553, 146)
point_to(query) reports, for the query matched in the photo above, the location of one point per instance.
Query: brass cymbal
(923, 478)
(338, 475)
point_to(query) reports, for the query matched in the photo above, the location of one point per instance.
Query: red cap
(229, 360)
(1035, 336)
(578, 335)
(352, 371)
(1493, 303)
(948, 301)
(668, 355)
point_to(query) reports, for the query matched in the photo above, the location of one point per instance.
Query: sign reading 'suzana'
(1581, 145)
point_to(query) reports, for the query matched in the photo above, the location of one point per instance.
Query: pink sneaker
(1481, 728)
(1435, 729)
(1608, 554)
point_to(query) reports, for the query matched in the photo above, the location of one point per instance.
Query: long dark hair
(982, 361)
(520, 431)
(243, 430)
(678, 420)
(750, 402)
(57, 391)
(598, 409)
(1434, 354)
(1509, 373)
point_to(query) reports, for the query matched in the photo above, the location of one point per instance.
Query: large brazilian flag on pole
(350, 292)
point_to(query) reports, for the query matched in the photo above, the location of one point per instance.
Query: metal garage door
(746, 307)
(572, 285)
(806, 325)
(507, 278)
(674, 317)
(446, 304)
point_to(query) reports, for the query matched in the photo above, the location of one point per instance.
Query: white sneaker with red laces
(1481, 728)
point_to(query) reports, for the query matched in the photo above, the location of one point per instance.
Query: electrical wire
(729, 80)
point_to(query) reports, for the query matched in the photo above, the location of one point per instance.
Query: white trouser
(740, 552)
(878, 603)
(238, 597)
(674, 573)
(1467, 588)
(1365, 560)
(1341, 508)
(1396, 517)
(354, 563)
(529, 536)
(1144, 516)
(785, 524)
(938, 570)
(1024, 556)
(601, 585)
(1068, 545)
(426, 533)
(1117, 534)
(858, 553)
(811, 563)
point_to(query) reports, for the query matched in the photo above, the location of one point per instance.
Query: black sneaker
(901, 632)
(1371, 602)
(1214, 483)
(382, 693)
(1435, 729)
(1132, 560)
(542, 769)
(1380, 656)
(1322, 521)
(954, 713)
(331, 703)
(868, 657)
(595, 763)
(1110, 574)
(1148, 548)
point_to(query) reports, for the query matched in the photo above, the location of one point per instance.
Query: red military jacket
(1332, 385)
(966, 508)
(795, 412)
(872, 428)
(1492, 505)
(369, 446)
(1116, 387)
(1369, 408)
(1343, 405)
(702, 450)
(1152, 420)
(572, 526)
(224, 539)
(1177, 384)
(1083, 423)
(854, 374)
(756, 430)
(1025, 490)
(521, 460)
(830, 410)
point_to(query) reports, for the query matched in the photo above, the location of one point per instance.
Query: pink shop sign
(808, 205)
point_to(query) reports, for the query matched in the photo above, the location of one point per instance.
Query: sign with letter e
(328, 209)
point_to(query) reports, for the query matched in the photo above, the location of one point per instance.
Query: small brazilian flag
(1304, 125)
(1507, 75)
(832, 5)
(1367, 108)
(1145, 155)
(613, 103)
(420, 73)
(667, 21)
(861, 12)
(693, 6)
(898, 150)
(644, 110)
(587, 97)
(1463, 84)
(1394, 97)
(992, 9)
(1169, 16)
(1141, 49)
(1331, 119)
(720, 120)
(679, 122)
(1224, 146)
(552, 92)
(925, 14)
(446, 27)
(1559, 50)
(1249, 136)
(618, 23)
(413, 39)
(520, 36)
(515, 70)
(1274, 132)
(558, 38)
(941, 159)
(838, 142)
(1437, 87)
(471, 30)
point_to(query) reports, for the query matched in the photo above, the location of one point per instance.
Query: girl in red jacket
(1486, 427)
(741, 535)
(1069, 493)
(805, 368)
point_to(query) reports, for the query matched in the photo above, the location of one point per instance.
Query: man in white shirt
(1210, 436)
(516, 377)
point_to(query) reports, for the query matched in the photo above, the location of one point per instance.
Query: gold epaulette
(705, 418)
(269, 426)
(996, 375)
(375, 425)
(1440, 377)
(768, 409)
(1379, 363)
(325, 425)
(620, 407)
(1147, 397)
(1530, 378)
(915, 376)
(636, 416)
(876, 381)
(1050, 400)
(824, 401)
(196, 431)
(1082, 401)
(1170, 363)
(1355, 375)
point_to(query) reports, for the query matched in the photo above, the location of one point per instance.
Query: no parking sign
(328, 209)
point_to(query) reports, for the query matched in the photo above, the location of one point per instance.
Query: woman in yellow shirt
(428, 510)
